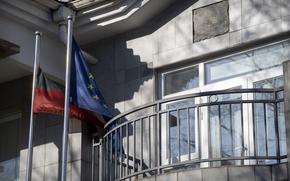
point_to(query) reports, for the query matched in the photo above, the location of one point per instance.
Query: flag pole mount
(31, 124)
(67, 96)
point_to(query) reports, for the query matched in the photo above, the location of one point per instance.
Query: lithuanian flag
(49, 98)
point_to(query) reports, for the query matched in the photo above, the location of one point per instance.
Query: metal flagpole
(31, 126)
(67, 95)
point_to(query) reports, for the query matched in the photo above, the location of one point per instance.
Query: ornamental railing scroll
(228, 127)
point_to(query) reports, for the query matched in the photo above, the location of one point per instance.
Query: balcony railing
(229, 127)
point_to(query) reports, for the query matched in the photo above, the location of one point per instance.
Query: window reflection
(254, 60)
(226, 129)
(282, 129)
(264, 121)
(182, 115)
(181, 80)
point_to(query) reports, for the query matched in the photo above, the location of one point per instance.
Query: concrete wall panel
(255, 12)
(235, 14)
(263, 173)
(242, 174)
(167, 177)
(219, 174)
(184, 29)
(166, 37)
(192, 175)
(279, 172)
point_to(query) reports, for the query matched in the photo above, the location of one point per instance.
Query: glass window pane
(226, 131)
(180, 104)
(234, 66)
(282, 129)
(185, 111)
(192, 130)
(286, 46)
(237, 130)
(265, 121)
(214, 132)
(271, 137)
(184, 129)
(173, 136)
(180, 80)
(260, 132)
(254, 60)
(272, 83)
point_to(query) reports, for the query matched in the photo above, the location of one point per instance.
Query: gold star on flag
(90, 86)
(96, 97)
(91, 76)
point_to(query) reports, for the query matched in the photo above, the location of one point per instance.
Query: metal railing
(229, 127)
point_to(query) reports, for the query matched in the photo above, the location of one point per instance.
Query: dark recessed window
(180, 80)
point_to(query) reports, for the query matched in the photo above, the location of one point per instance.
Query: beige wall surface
(52, 50)
(127, 61)
(14, 115)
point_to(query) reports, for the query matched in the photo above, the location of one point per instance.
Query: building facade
(199, 89)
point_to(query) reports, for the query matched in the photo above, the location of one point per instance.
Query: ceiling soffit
(102, 18)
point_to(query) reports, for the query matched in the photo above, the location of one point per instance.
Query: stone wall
(15, 95)
(128, 61)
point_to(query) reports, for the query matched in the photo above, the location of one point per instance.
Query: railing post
(276, 122)
(158, 138)
(100, 161)
(93, 158)
(286, 71)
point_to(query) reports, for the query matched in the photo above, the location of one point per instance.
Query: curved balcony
(209, 129)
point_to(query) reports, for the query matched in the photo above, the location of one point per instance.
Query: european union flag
(84, 91)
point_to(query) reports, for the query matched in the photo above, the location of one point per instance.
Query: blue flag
(85, 93)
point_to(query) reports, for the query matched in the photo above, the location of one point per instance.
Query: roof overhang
(116, 17)
(99, 19)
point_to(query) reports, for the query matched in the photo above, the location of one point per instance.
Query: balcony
(239, 127)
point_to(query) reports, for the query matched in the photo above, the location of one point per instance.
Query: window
(180, 123)
(180, 80)
(225, 123)
(226, 126)
(264, 121)
(250, 61)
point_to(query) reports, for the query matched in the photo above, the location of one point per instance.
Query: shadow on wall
(125, 74)
(48, 147)
(14, 126)
(259, 12)
(125, 71)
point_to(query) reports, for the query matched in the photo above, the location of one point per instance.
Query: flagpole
(66, 101)
(31, 126)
